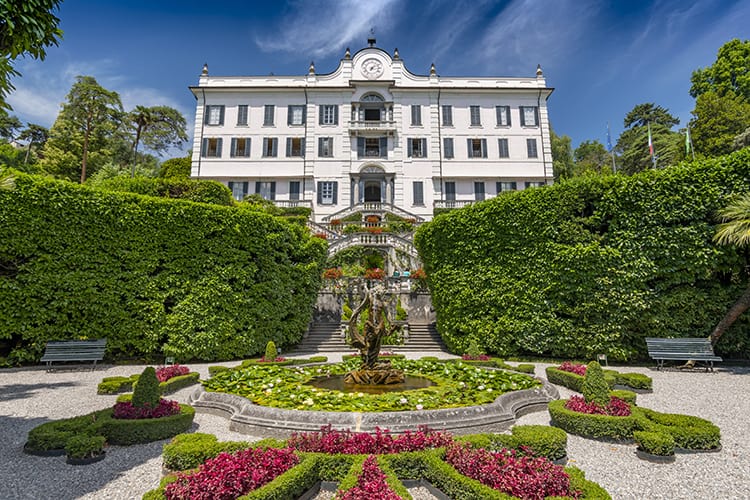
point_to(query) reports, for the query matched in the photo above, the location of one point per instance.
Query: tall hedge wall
(590, 266)
(153, 276)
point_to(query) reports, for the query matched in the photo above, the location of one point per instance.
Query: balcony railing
(452, 203)
(293, 203)
(357, 126)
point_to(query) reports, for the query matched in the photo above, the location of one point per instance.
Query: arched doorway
(372, 185)
(372, 191)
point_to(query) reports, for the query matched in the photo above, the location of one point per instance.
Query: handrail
(370, 239)
(373, 206)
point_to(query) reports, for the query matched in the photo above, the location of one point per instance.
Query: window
(269, 110)
(329, 114)
(531, 148)
(505, 186)
(372, 147)
(479, 191)
(211, 147)
(477, 148)
(239, 190)
(295, 115)
(534, 184)
(214, 115)
(450, 191)
(327, 192)
(372, 115)
(529, 116)
(240, 147)
(476, 119)
(242, 114)
(502, 146)
(418, 193)
(325, 146)
(503, 116)
(270, 147)
(417, 148)
(295, 146)
(266, 189)
(448, 147)
(447, 115)
(416, 114)
(294, 190)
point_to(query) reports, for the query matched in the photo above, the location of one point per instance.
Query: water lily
(419, 407)
(481, 387)
(308, 402)
(403, 401)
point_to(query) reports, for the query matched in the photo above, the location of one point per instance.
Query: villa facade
(372, 132)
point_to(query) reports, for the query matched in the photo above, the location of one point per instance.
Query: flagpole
(689, 141)
(651, 146)
(611, 150)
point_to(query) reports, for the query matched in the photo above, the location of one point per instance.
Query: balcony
(293, 203)
(372, 127)
(453, 203)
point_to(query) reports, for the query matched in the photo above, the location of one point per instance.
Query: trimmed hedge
(350, 480)
(543, 440)
(155, 276)
(656, 443)
(188, 451)
(593, 426)
(591, 265)
(201, 191)
(574, 382)
(126, 432)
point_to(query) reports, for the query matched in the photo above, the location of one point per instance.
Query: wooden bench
(682, 349)
(74, 350)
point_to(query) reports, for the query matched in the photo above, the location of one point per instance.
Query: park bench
(74, 350)
(682, 349)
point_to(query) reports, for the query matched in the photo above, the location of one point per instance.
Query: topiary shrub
(188, 451)
(146, 392)
(84, 446)
(655, 443)
(271, 352)
(591, 425)
(595, 389)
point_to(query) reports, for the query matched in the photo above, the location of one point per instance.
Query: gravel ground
(31, 396)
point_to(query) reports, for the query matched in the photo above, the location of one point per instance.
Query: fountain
(377, 325)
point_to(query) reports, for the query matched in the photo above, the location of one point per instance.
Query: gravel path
(30, 396)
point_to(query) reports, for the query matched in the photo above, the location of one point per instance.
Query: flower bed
(116, 385)
(126, 410)
(569, 375)
(382, 442)
(371, 484)
(457, 385)
(616, 407)
(164, 373)
(522, 476)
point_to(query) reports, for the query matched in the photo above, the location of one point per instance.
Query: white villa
(372, 134)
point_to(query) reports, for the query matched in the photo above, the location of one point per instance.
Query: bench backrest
(79, 347)
(680, 345)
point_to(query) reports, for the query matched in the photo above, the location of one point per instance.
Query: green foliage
(114, 385)
(401, 313)
(271, 352)
(28, 28)
(318, 359)
(562, 156)
(83, 446)
(158, 127)
(146, 391)
(198, 281)
(593, 426)
(174, 384)
(627, 396)
(730, 73)
(188, 451)
(474, 350)
(595, 389)
(688, 432)
(634, 380)
(125, 432)
(656, 443)
(202, 191)
(215, 370)
(717, 121)
(542, 440)
(592, 158)
(175, 168)
(590, 265)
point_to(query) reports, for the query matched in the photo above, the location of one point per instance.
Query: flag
(650, 143)
(687, 140)
(609, 139)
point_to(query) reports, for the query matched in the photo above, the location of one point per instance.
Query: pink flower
(126, 410)
(616, 407)
(164, 373)
(567, 366)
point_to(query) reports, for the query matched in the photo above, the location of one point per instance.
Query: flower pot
(654, 459)
(86, 461)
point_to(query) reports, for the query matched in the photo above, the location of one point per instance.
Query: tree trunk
(135, 149)
(28, 152)
(734, 312)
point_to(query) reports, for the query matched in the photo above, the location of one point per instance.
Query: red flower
(333, 273)
(322, 236)
(374, 274)
(371, 484)
(164, 373)
(127, 411)
(347, 442)
(616, 407)
(567, 366)
(418, 274)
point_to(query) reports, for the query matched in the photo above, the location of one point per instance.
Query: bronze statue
(377, 326)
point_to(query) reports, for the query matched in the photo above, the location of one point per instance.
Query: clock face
(372, 68)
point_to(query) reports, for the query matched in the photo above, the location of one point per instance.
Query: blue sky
(603, 58)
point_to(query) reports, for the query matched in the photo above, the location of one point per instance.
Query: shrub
(126, 432)
(230, 476)
(526, 368)
(128, 410)
(371, 484)
(567, 366)
(521, 476)
(215, 370)
(634, 380)
(627, 396)
(593, 426)
(83, 446)
(164, 373)
(539, 440)
(188, 451)
(656, 443)
(271, 353)
(202, 191)
(595, 389)
(329, 440)
(615, 407)
(318, 359)
(146, 392)
(113, 385)
(688, 432)
(179, 382)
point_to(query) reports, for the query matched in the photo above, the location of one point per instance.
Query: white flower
(489, 390)
(308, 402)
(461, 384)
(278, 380)
(270, 386)
(360, 394)
(320, 370)
(403, 401)
(481, 387)
(268, 391)
(419, 407)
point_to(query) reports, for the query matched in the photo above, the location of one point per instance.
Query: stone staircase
(326, 337)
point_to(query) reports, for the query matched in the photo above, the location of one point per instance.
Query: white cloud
(528, 32)
(327, 26)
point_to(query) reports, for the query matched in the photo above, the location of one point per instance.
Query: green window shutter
(468, 147)
(204, 148)
(233, 147)
(273, 190)
(320, 192)
(218, 147)
(320, 114)
(288, 147)
(289, 114)
(265, 146)
(335, 192)
(302, 147)
(424, 148)
(410, 148)
(275, 146)
(257, 187)
(221, 115)
(320, 146)
(244, 188)
(336, 115)
(384, 147)
(484, 148)
(360, 147)
(247, 147)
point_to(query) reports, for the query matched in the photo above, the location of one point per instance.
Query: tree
(730, 73)
(717, 121)
(735, 231)
(9, 125)
(562, 157)
(87, 124)
(632, 145)
(27, 28)
(591, 157)
(36, 135)
(160, 127)
(176, 168)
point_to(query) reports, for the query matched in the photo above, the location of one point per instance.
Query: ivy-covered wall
(154, 276)
(591, 266)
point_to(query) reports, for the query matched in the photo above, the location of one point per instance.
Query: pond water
(336, 383)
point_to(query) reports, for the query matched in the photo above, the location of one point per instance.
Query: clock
(372, 68)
